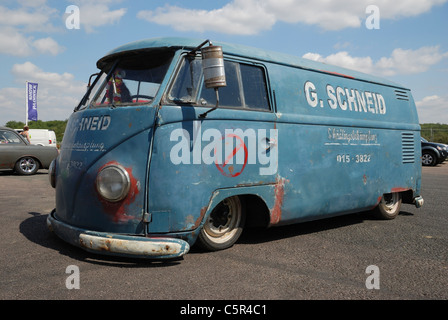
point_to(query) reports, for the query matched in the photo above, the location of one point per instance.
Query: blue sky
(410, 47)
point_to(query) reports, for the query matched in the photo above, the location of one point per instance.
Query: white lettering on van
(94, 123)
(346, 99)
(311, 95)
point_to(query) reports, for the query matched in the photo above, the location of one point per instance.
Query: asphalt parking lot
(326, 259)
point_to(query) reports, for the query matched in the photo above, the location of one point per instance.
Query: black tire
(224, 225)
(389, 206)
(429, 158)
(26, 166)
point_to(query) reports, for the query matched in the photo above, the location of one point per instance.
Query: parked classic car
(18, 155)
(433, 153)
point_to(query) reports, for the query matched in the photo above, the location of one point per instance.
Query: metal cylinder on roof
(213, 66)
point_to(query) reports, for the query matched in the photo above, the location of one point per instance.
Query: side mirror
(213, 70)
(213, 67)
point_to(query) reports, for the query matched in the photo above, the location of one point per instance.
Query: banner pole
(26, 103)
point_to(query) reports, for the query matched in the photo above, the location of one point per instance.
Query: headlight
(113, 183)
(52, 173)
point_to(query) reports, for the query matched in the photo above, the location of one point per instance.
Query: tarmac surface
(327, 259)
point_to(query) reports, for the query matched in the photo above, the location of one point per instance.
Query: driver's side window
(185, 88)
(246, 86)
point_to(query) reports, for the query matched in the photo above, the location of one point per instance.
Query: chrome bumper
(118, 244)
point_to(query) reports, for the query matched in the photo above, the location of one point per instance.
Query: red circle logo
(229, 170)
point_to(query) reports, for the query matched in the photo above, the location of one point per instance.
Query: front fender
(437, 152)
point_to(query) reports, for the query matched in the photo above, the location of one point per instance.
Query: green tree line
(58, 126)
(435, 132)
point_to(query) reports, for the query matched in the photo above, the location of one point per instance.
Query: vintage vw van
(179, 141)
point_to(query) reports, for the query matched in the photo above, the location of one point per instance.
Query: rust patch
(201, 216)
(279, 193)
(377, 202)
(189, 220)
(106, 246)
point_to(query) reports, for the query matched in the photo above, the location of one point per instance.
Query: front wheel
(224, 225)
(26, 166)
(389, 206)
(429, 158)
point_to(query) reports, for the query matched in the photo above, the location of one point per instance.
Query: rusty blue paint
(343, 140)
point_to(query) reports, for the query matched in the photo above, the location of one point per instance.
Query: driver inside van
(117, 92)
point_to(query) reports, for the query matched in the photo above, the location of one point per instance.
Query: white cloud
(58, 93)
(18, 25)
(343, 59)
(247, 17)
(32, 3)
(12, 42)
(237, 17)
(94, 14)
(29, 19)
(401, 61)
(29, 71)
(410, 61)
(329, 15)
(48, 45)
(15, 43)
(433, 109)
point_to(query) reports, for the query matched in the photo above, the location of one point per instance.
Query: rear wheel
(389, 206)
(26, 166)
(224, 225)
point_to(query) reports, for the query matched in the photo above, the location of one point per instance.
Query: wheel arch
(255, 204)
(29, 156)
(431, 149)
(257, 212)
(228, 213)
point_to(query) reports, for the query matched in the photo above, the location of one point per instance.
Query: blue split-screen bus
(182, 141)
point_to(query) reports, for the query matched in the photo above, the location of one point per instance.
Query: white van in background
(42, 137)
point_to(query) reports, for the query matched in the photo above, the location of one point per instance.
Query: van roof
(174, 43)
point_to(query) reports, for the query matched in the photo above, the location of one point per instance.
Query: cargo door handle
(267, 143)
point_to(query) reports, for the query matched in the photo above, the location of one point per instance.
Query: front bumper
(118, 244)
